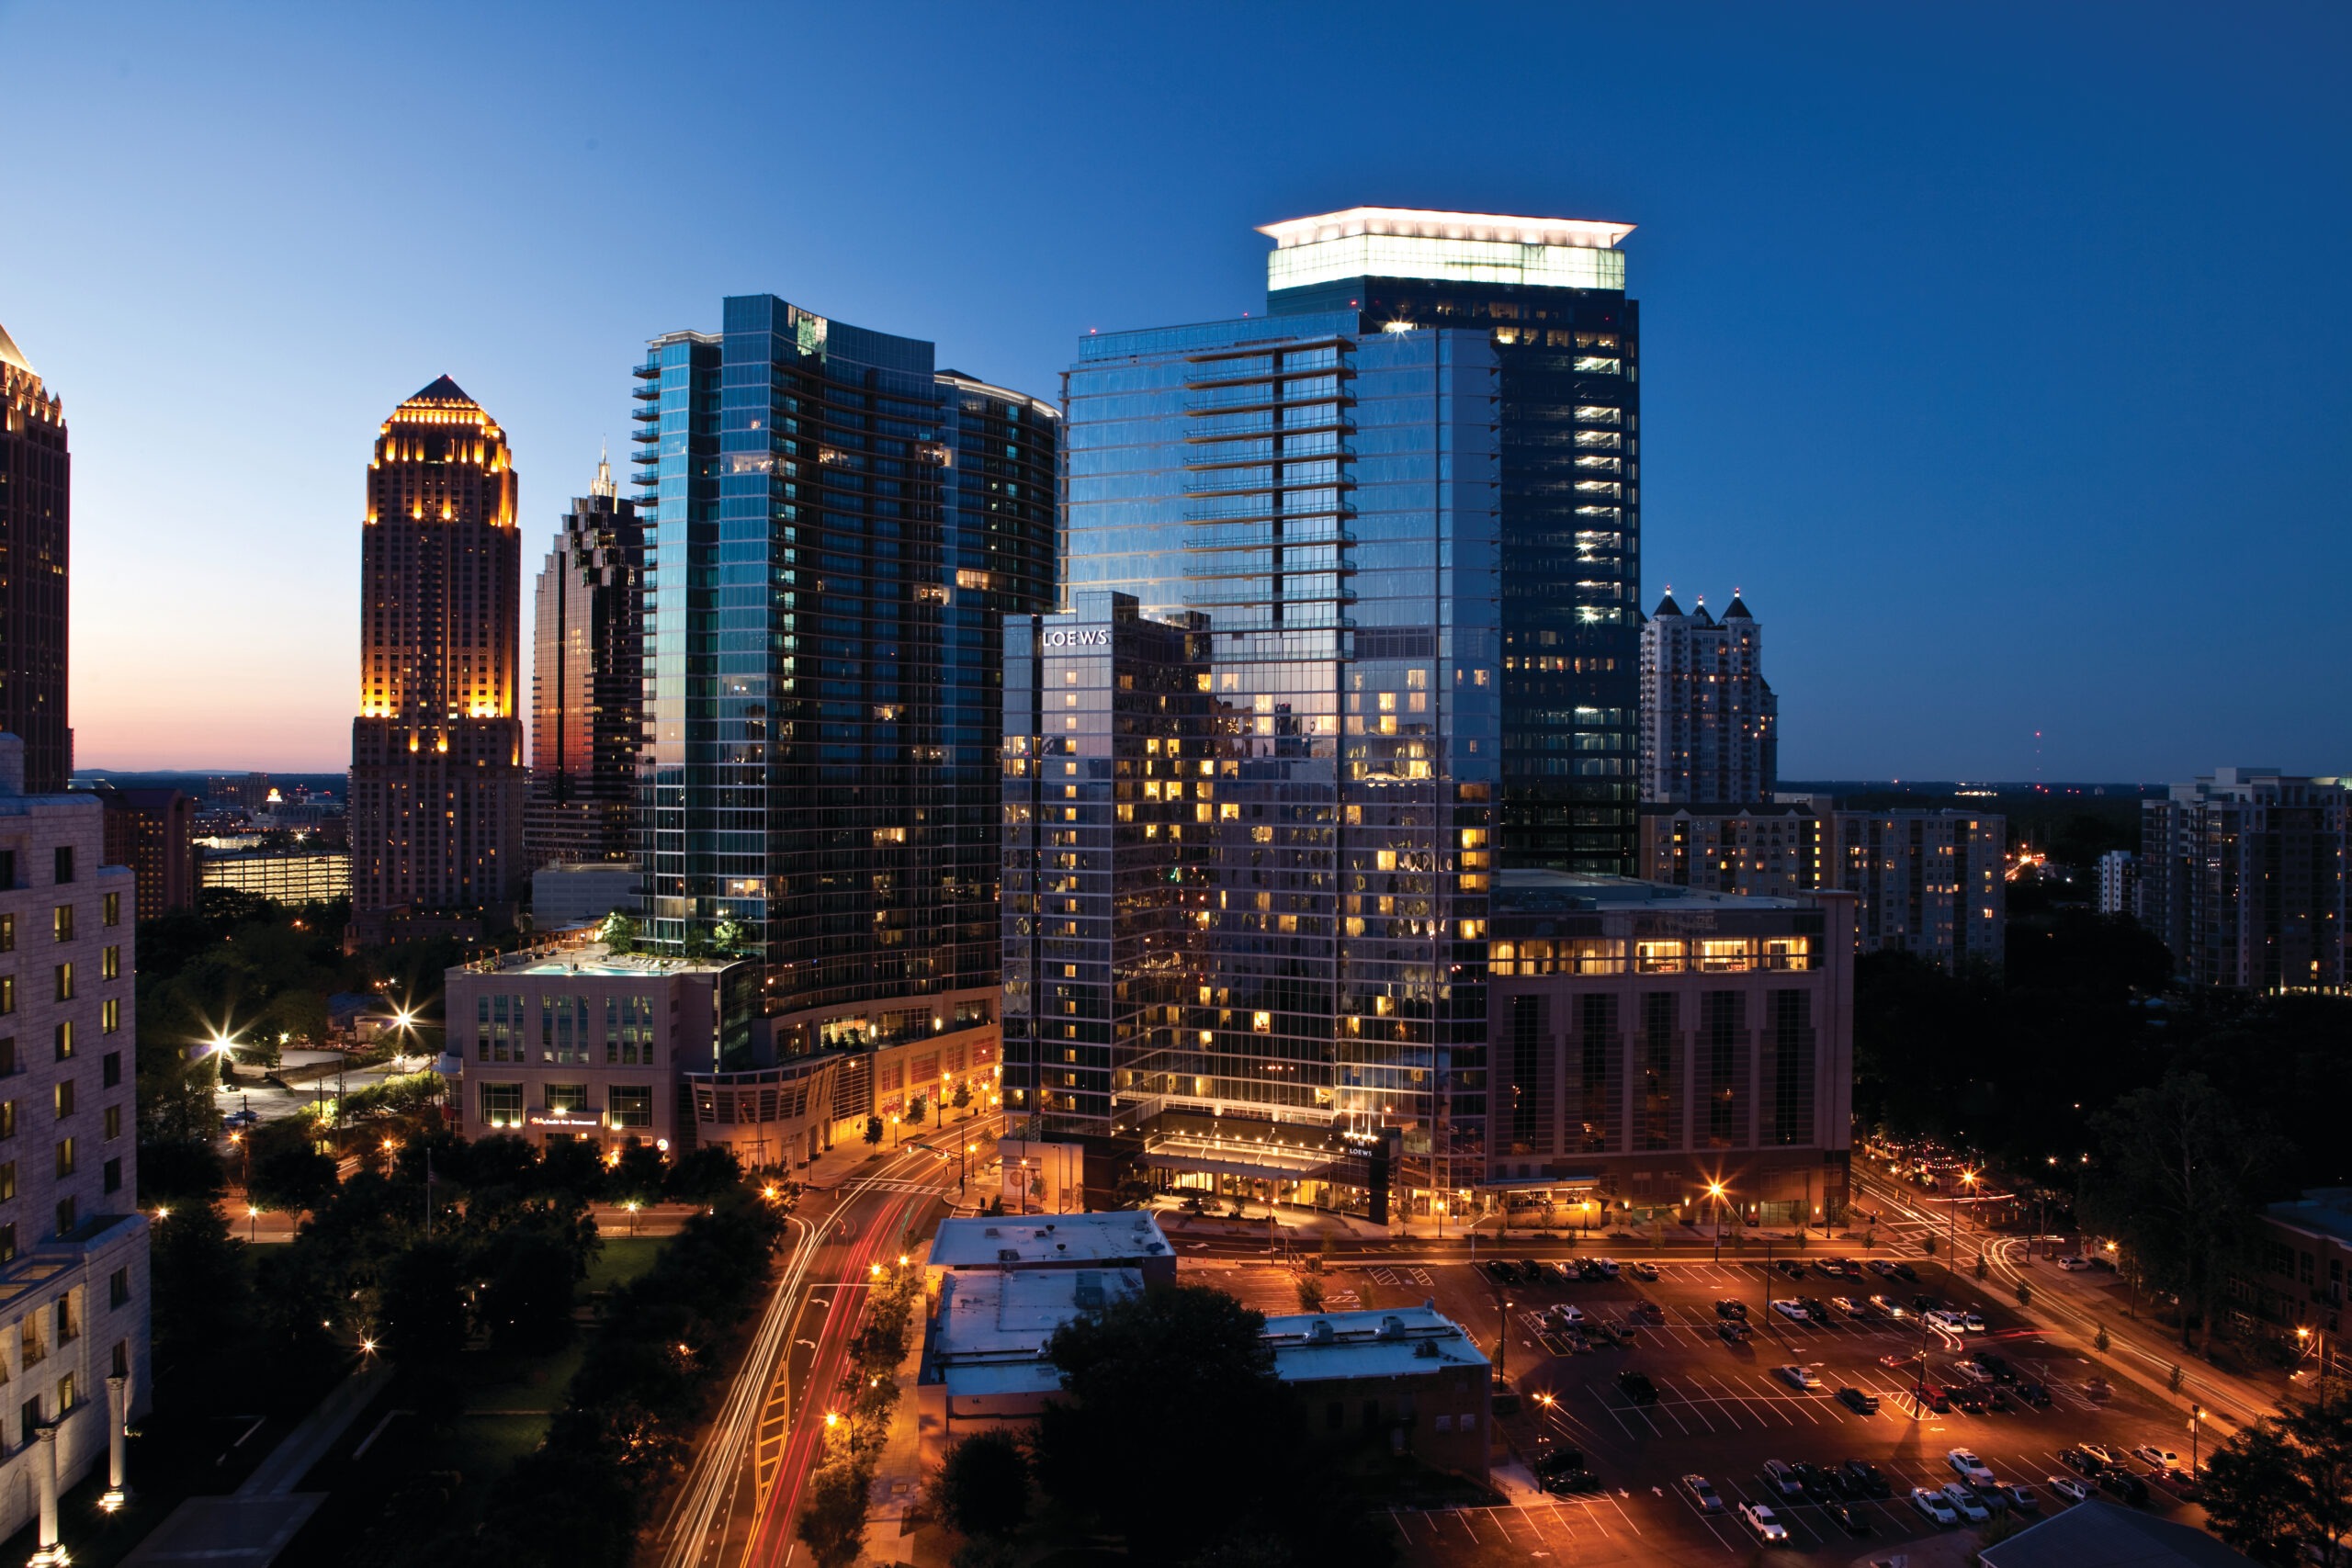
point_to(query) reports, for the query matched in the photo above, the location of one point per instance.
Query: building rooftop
(2322, 1211)
(11, 354)
(1416, 223)
(1010, 1316)
(1047, 1240)
(1532, 888)
(2097, 1534)
(593, 958)
(1445, 247)
(1316, 1347)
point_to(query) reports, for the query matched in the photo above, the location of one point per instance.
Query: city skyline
(2000, 419)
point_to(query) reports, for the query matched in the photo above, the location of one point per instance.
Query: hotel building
(436, 752)
(587, 680)
(36, 513)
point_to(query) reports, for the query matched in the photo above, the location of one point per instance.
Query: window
(112, 1173)
(7, 993)
(7, 868)
(29, 1424)
(111, 1070)
(114, 1122)
(7, 1117)
(122, 1358)
(69, 1326)
(65, 982)
(61, 922)
(64, 864)
(110, 1016)
(631, 1105)
(501, 1104)
(118, 1288)
(110, 911)
(65, 1097)
(65, 1394)
(65, 1040)
(65, 1158)
(8, 1242)
(7, 1180)
(110, 963)
(65, 1216)
(567, 1099)
(8, 1065)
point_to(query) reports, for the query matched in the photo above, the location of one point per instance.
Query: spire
(1666, 606)
(11, 354)
(442, 390)
(603, 486)
(1738, 611)
(1699, 610)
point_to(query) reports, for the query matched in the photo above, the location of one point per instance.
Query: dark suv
(1865, 1477)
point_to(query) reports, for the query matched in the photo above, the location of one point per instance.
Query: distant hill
(191, 780)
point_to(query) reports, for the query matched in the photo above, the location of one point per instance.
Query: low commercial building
(74, 1246)
(2302, 1251)
(2098, 1534)
(299, 875)
(1645, 1042)
(1129, 1239)
(1409, 1379)
(587, 1043)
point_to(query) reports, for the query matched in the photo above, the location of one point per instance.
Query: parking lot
(1722, 1410)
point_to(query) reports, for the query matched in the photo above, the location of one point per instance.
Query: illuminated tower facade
(437, 781)
(587, 672)
(35, 511)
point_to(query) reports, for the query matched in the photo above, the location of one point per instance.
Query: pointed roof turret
(442, 390)
(1738, 611)
(1666, 606)
(1699, 612)
(11, 354)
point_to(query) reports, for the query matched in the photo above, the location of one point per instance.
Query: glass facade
(1567, 340)
(1312, 503)
(837, 528)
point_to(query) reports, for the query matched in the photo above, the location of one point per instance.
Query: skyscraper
(437, 778)
(1306, 503)
(587, 675)
(1547, 296)
(2243, 876)
(36, 512)
(1710, 723)
(837, 530)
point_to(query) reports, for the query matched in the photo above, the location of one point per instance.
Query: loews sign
(1085, 636)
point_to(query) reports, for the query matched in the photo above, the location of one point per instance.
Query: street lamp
(2195, 1420)
(631, 1207)
(254, 1215)
(1715, 1192)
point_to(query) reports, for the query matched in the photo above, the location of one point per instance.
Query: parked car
(2034, 1393)
(2123, 1484)
(1881, 1266)
(1564, 1272)
(1816, 1307)
(1815, 1481)
(1703, 1494)
(2161, 1458)
(1556, 1461)
(1835, 1268)
(1936, 1399)
(1608, 1267)
(1617, 1334)
(2075, 1264)
(1637, 1388)
(1790, 1267)
(1500, 1272)
(2069, 1488)
(1645, 1271)
(1731, 1330)
(1796, 1376)
(1949, 1322)
(1782, 1477)
(1968, 1467)
(1857, 1401)
(1587, 1269)
(2002, 1371)
(1572, 1481)
(1969, 1400)
(1967, 1504)
(1904, 1272)
(1847, 1304)
(1972, 1371)
(1889, 1306)
(1850, 1518)
(2106, 1456)
(1924, 1302)
(1972, 1321)
(1866, 1478)
(2023, 1498)
(1758, 1518)
(1794, 1311)
(1934, 1504)
(1530, 1269)
(1567, 1316)
(2081, 1463)
(1649, 1311)
(1729, 1308)
(2181, 1484)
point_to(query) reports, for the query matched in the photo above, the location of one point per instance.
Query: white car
(1933, 1505)
(2074, 1265)
(1889, 1306)
(1969, 1467)
(1963, 1502)
(1971, 1322)
(1572, 1317)
(1972, 1371)
(1949, 1322)
(1798, 1376)
(2069, 1488)
(1794, 1311)
(1607, 1265)
(1702, 1493)
(2162, 1459)
(1847, 1305)
(1758, 1518)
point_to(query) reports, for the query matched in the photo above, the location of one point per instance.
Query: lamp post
(2195, 1420)
(631, 1207)
(1715, 1192)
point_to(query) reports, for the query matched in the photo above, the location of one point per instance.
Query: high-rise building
(1772, 850)
(72, 1242)
(2119, 883)
(1547, 297)
(1710, 723)
(587, 680)
(2243, 876)
(36, 513)
(838, 529)
(153, 832)
(1307, 503)
(437, 777)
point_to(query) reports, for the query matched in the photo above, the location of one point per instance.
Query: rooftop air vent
(1426, 1350)
(1320, 1332)
(1392, 1328)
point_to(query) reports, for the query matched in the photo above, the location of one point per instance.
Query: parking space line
(1602, 1401)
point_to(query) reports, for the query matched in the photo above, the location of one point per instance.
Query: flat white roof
(1030, 1240)
(1401, 1342)
(1010, 1316)
(1583, 232)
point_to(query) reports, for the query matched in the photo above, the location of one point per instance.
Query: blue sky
(2000, 356)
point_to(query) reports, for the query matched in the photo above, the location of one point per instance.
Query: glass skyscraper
(837, 531)
(1549, 295)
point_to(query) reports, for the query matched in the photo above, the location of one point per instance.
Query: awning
(1272, 1166)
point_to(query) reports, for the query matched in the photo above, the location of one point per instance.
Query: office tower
(1933, 883)
(2242, 875)
(1646, 1040)
(153, 832)
(72, 1241)
(2119, 883)
(36, 512)
(587, 675)
(1710, 724)
(1311, 500)
(837, 531)
(436, 752)
(1548, 298)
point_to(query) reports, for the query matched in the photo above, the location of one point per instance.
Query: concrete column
(51, 1552)
(118, 1461)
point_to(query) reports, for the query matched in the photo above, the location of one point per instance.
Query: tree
(617, 933)
(982, 1487)
(1152, 1378)
(639, 1174)
(963, 1100)
(199, 1283)
(917, 1106)
(526, 1301)
(832, 1514)
(2285, 1483)
(2177, 1184)
(702, 1174)
(873, 1129)
(295, 1179)
(424, 1302)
